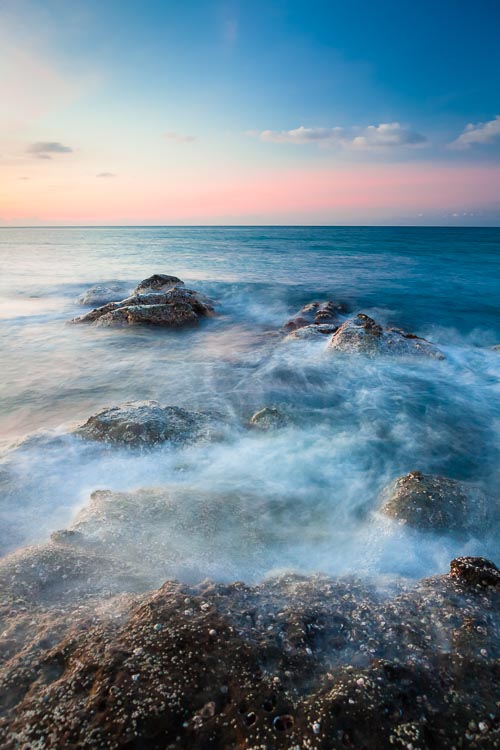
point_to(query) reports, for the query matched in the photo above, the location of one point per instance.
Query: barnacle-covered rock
(158, 282)
(315, 313)
(362, 335)
(437, 503)
(296, 661)
(146, 423)
(174, 308)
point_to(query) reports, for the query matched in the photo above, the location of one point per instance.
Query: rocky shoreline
(99, 648)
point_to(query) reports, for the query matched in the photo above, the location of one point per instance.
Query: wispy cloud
(179, 137)
(44, 149)
(480, 132)
(105, 174)
(370, 138)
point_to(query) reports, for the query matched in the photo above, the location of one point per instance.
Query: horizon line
(250, 226)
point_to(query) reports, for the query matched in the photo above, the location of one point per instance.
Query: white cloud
(480, 132)
(179, 137)
(386, 135)
(371, 138)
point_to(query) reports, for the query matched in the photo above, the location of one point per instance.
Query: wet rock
(297, 661)
(158, 282)
(269, 418)
(53, 574)
(475, 571)
(315, 313)
(175, 308)
(437, 503)
(147, 423)
(362, 335)
(99, 295)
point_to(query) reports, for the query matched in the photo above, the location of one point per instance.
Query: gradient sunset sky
(272, 112)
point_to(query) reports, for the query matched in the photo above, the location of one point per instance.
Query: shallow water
(357, 423)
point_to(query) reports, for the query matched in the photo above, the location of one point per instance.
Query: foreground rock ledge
(362, 335)
(296, 662)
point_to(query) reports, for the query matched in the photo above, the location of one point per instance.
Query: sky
(180, 112)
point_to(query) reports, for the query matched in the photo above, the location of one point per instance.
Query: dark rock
(158, 282)
(437, 503)
(146, 423)
(313, 662)
(269, 418)
(362, 335)
(475, 571)
(163, 315)
(175, 308)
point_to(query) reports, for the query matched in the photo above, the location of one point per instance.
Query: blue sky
(221, 97)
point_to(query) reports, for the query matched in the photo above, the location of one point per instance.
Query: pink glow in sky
(136, 117)
(333, 195)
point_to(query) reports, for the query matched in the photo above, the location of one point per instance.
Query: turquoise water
(358, 423)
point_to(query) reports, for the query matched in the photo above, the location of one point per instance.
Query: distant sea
(357, 423)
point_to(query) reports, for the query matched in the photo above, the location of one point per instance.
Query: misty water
(303, 498)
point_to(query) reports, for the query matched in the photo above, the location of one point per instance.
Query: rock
(315, 313)
(175, 308)
(496, 348)
(147, 423)
(437, 503)
(269, 418)
(476, 571)
(296, 661)
(100, 295)
(163, 315)
(53, 574)
(313, 331)
(158, 282)
(362, 335)
(164, 531)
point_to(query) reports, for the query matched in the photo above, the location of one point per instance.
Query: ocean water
(307, 495)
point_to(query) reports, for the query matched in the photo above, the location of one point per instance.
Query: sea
(311, 490)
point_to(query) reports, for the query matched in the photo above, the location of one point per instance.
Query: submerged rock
(174, 308)
(315, 313)
(313, 331)
(99, 295)
(269, 418)
(362, 335)
(158, 282)
(437, 503)
(146, 423)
